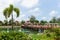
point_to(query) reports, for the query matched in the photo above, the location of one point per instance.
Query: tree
(42, 22)
(5, 22)
(17, 23)
(22, 22)
(58, 21)
(1, 23)
(10, 22)
(36, 22)
(53, 20)
(8, 11)
(32, 19)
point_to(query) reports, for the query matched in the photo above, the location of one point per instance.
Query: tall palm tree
(9, 11)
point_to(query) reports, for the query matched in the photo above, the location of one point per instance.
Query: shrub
(57, 33)
(14, 36)
(48, 35)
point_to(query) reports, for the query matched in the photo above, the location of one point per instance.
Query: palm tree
(8, 11)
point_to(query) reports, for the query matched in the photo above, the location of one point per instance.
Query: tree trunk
(12, 21)
(6, 22)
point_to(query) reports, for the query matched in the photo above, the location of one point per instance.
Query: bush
(57, 33)
(57, 38)
(48, 35)
(14, 36)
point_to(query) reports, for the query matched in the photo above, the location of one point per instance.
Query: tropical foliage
(14, 36)
(9, 11)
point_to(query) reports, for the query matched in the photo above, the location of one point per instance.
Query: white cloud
(35, 12)
(53, 13)
(29, 3)
(9, 1)
(2, 17)
(5, 3)
(58, 16)
(43, 18)
(21, 17)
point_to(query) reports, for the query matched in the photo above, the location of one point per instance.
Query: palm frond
(17, 11)
(5, 11)
(9, 12)
(11, 6)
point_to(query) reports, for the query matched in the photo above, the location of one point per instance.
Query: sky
(41, 9)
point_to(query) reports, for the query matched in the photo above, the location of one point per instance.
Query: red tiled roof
(37, 26)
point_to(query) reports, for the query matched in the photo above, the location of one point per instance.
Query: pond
(26, 30)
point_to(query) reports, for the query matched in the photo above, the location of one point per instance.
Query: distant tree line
(32, 20)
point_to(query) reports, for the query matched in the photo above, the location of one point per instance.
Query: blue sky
(41, 9)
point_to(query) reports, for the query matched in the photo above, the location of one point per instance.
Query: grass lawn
(42, 36)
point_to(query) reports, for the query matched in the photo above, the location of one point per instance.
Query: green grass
(42, 36)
